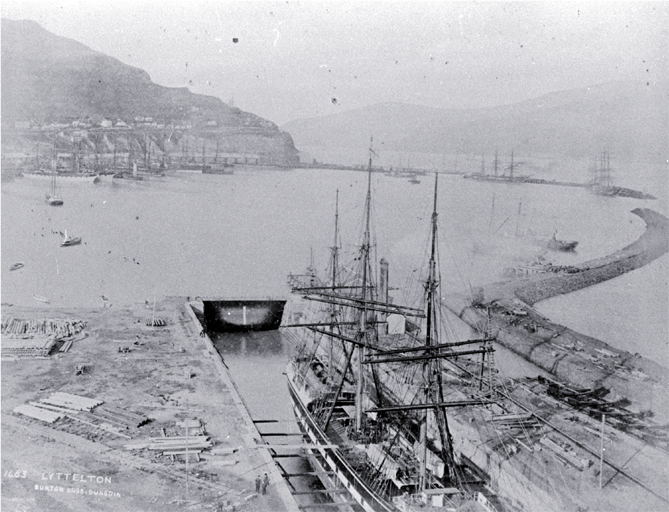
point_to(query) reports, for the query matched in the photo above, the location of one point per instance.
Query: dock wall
(252, 438)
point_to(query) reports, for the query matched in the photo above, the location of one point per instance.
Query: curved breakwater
(577, 359)
(652, 244)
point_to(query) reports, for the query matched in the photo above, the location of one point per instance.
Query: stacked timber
(174, 445)
(44, 327)
(567, 455)
(88, 411)
(37, 413)
(119, 417)
(36, 337)
(27, 347)
(510, 421)
(69, 401)
(156, 322)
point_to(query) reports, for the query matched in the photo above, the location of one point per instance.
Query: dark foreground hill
(627, 118)
(48, 79)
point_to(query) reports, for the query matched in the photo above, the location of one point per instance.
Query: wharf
(170, 375)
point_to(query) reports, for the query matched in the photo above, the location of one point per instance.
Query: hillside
(49, 79)
(625, 117)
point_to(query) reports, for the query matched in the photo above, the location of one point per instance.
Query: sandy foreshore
(166, 374)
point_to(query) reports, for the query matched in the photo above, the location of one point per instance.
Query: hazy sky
(304, 59)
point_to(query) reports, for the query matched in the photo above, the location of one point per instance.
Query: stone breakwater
(652, 244)
(578, 360)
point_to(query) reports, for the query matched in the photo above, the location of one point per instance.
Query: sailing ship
(368, 390)
(66, 167)
(555, 244)
(53, 197)
(601, 182)
(551, 243)
(68, 178)
(509, 174)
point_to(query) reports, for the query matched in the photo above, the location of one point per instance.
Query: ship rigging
(379, 395)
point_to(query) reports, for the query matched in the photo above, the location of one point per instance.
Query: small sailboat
(68, 240)
(41, 298)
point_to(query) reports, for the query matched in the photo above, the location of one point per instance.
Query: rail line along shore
(576, 359)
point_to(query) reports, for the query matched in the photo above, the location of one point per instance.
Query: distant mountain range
(49, 79)
(627, 118)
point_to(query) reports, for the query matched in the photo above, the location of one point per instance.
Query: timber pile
(31, 347)
(120, 417)
(36, 337)
(566, 454)
(37, 412)
(57, 405)
(72, 402)
(156, 322)
(88, 411)
(510, 421)
(43, 327)
(174, 445)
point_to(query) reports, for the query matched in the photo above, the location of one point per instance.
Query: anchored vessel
(367, 387)
(53, 197)
(555, 244)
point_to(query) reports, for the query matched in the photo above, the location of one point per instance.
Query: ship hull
(333, 460)
(561, 245)
(243, 314)
(66, 178)
(218, 169)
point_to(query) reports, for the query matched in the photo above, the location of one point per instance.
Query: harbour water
(240, 235)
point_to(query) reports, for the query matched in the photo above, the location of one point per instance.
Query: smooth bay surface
(241, 235)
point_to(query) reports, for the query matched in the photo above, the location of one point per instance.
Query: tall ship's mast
(366, 295)
(376, 393)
